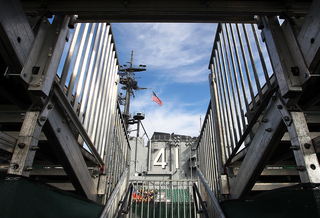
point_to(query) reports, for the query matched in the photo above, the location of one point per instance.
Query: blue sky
(177, 58)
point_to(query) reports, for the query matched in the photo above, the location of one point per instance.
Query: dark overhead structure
(167, 10)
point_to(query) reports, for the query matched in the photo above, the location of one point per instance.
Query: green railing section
(162, 198)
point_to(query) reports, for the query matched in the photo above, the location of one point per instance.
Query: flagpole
(151, 100)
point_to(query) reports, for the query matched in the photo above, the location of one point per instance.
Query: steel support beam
(165, 10)
(43, 60)
(267, 137)
(63, 141)
(16, 36)
(287, 64)
(27, 144)
(309, 36)
(7, 142)
(305, 155)
(63, 101)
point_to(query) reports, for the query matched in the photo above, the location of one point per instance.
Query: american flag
(156, 98)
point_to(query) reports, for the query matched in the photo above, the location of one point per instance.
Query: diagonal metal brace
(58, 92)
(44, 114)
(251, 124)
(280, 104)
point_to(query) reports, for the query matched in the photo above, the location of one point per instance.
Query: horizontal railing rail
(112, 206)
(213, 206)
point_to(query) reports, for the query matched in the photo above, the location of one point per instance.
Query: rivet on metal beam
(21, 145)
(268, 129)
(264, 120)
(295, 147)
(307, 145)
(43, 118)
(313, 166)
(50, 106)
(300, 168)
(286, 118)
(59, 129)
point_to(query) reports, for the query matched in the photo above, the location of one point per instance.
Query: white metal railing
(242, 84)
(208, 155)
(88, 76)
(241, 79)
(112, 206)
(118, 154)
(213, 207)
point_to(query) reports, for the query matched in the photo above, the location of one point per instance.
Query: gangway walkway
(62, 127)
(261, 128)
(61, 123)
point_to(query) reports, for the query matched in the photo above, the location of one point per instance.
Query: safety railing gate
(162, 198)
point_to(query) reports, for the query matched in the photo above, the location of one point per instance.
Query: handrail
(129, 193)
(111, 200)
(195, 194)
(213, 199)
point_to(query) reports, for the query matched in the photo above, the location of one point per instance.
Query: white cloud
(172, 47)
(174, 54)
(168, 118)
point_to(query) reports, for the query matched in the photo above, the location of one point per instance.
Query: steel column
(65, 144)
(16, 36)
(306, 158)
(266, 139)
(27, 144)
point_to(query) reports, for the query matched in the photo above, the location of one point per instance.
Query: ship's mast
(128, 91)
(129, 84)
